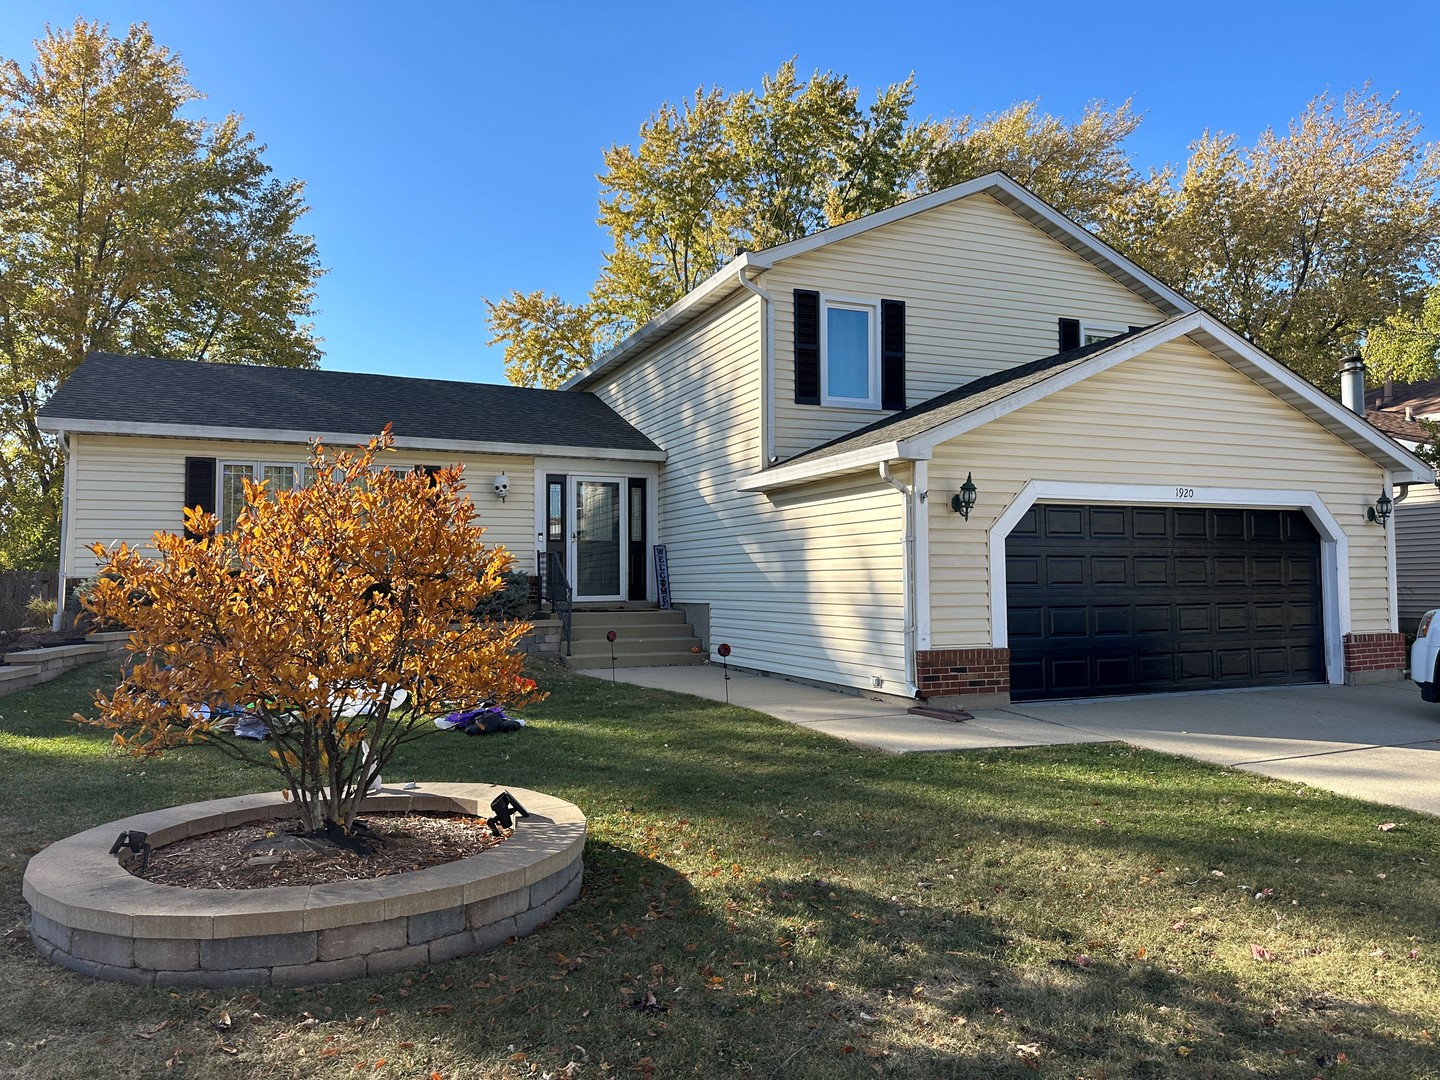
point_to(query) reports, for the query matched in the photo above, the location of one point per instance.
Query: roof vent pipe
(1352, 384)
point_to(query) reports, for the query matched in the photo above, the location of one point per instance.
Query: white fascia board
(1061, 228)
(996, 184)
(1315, 403)
(709, 292)
(804, 471)
(1277, 379)
(217, 433)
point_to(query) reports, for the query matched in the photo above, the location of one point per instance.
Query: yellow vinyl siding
(128, 488)
(1176, 416)
(809, 584)
(983, 288)
(1417, 552)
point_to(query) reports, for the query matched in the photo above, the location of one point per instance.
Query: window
(1090, 333)
(850, 369)
(849, 353)
(233, 475)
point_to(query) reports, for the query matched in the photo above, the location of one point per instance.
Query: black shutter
(429, 471)
(1069, 334)
(807, 347)
(892, 354)
(199, 486)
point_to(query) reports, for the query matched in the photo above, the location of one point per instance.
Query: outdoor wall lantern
(502, 486)
(964, 500)
(1381, 511)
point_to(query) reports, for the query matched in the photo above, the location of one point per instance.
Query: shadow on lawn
(765, 885)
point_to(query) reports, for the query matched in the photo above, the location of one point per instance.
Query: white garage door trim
(1334, 545)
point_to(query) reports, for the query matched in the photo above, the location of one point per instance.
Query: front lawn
(797, 907)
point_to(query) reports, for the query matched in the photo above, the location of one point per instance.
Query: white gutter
(767, 368)
(65, 495)
(910, 589)
(220, 433)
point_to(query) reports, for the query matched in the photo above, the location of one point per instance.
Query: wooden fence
(18, 588)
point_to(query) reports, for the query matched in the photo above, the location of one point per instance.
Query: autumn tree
(308, 618)
(126, 226)
(1406, 347)
(720, 172)
(1304, 241)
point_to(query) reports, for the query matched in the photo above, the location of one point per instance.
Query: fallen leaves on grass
(1259, 952)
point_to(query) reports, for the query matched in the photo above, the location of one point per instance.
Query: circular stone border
(90, 915)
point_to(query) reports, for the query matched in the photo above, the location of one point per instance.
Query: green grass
(804, 908)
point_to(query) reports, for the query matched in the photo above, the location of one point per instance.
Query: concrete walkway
(1376, 742)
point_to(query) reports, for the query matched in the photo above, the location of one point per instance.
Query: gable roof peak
(1020, 200)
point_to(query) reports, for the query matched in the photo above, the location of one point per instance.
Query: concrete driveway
(1376, 742)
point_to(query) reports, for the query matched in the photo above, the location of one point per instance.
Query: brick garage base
(1371, 658)
(963, 677)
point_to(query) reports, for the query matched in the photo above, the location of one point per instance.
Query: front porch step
(643, 638)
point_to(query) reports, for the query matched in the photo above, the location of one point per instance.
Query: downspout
(65, 493)
(910, 597)
(767, 372)
(1394, 576)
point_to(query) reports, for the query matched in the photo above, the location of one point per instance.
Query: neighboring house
(1417, 515)
(1157, 505)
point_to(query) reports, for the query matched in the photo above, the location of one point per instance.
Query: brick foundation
(943, 673)
(1382, 656)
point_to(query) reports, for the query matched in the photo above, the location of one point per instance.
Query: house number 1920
(1184, 493)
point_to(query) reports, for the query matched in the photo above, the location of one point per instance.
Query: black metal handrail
(555, 588)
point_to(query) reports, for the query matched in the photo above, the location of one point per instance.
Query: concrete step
(620, 620)
(584, 661)
(645, 637)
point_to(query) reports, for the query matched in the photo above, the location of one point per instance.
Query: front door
(595, 539)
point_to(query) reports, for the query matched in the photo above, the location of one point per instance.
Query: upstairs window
(1090, 333)
(849, 353)
(850, 367)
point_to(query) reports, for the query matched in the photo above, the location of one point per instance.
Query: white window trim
(1334, 544)
(1103, 331)
(257, 471)
(872, 309)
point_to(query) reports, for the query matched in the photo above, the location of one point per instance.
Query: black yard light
(610, 637)
(502, 812)
(135, 842)
(724, 651)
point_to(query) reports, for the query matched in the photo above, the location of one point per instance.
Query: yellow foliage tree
(309, 617)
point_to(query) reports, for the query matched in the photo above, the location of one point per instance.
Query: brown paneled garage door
(1130, 600)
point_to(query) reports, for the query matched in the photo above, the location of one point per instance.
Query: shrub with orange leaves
(309, 617)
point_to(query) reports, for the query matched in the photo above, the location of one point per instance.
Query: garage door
(1126, 600)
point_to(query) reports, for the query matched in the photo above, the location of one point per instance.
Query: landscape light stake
(502, 812)
(137, 843)
(610, 637)
(724, 651)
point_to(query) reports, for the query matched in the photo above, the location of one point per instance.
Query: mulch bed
(241, 858)
(16, 640)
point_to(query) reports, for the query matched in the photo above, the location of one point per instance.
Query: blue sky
(450, 149)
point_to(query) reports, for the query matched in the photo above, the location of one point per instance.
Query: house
(1417, 516)
(147, 437)
(959, 450)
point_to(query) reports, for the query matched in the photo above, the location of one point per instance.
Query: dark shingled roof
(1396, 426)
(145, 390)
(961, 401)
